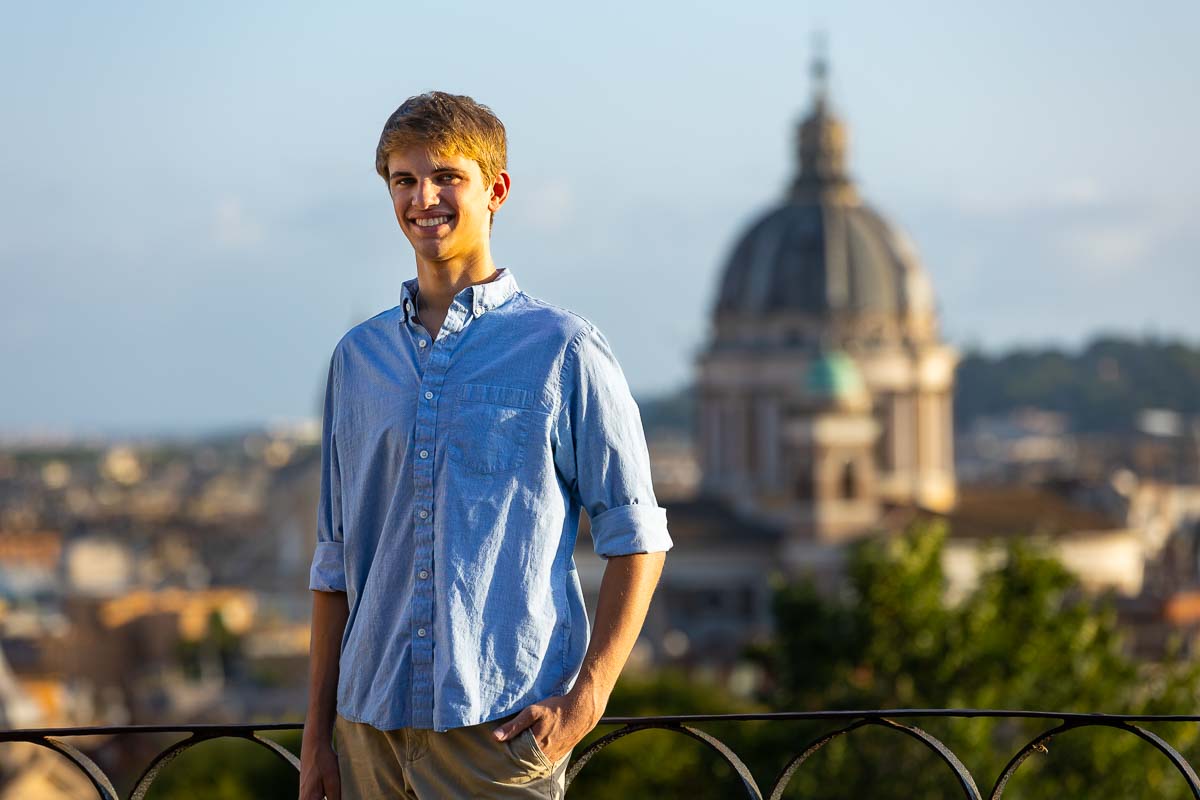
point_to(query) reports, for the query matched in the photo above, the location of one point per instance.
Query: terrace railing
(841, 723)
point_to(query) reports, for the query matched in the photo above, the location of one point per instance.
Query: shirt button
(420, 631)
(423, 574)
(429, 395)
(422, 343)
(423, 513)
(424, 454)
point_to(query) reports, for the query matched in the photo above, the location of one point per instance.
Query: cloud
(1068, 194)
(1114, 246)
(1076, 193)
(233, 228)
(1078, 224)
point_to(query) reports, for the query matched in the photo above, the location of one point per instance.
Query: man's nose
(426, 195)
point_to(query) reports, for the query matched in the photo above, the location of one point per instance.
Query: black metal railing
(844, 722)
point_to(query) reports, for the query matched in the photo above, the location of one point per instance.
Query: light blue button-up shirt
(453, 472)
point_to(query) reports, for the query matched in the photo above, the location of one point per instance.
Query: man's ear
(500, 187)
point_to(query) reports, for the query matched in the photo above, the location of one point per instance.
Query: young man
(463, 431)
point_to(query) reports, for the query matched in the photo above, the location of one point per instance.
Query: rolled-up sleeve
(328, 572)
(600, 451)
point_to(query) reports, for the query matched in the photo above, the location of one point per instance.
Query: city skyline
(224, 226)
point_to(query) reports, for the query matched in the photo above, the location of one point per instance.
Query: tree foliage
(1100, 388)
(230, 769)
(1025, 638)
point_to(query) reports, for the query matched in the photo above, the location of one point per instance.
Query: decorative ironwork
(850, 721)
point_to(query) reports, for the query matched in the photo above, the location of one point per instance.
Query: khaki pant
(459, 763)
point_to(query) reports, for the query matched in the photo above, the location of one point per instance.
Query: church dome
(823, 251)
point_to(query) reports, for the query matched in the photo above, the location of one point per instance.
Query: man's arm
(318, 762)
(601, 456)
(625, 592)
(331, 609)
(559, 723)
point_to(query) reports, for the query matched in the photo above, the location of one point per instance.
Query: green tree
(1100, 387)
(1025, 638)
(229, 769)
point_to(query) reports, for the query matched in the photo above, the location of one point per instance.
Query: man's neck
(437, 283)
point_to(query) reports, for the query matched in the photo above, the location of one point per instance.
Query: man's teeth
(432, 221)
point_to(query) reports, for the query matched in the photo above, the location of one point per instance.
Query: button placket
(423, 639)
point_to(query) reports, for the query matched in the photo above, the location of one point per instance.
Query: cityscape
(163, 579)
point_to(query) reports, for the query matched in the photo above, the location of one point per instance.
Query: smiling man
(463, 431)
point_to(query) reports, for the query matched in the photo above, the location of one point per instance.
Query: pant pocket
(536, 748)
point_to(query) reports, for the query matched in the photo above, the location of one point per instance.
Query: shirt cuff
(328, 573)
(635, 528)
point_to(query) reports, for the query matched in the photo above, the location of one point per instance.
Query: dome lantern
(821, 143)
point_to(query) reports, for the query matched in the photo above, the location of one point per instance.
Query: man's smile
(433, 224)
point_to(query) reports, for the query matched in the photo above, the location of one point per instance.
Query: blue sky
(191, 217)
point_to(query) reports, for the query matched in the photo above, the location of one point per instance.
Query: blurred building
(824, 401)
(824, 412)
(826, 390)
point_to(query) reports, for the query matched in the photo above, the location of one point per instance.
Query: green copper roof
(834, 375)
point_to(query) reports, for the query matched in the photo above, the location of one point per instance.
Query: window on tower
(849, 482)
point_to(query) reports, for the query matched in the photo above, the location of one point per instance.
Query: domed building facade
(825, 392)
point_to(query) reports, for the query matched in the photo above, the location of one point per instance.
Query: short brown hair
(447, 124)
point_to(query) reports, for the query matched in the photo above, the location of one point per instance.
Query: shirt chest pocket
(490, 427)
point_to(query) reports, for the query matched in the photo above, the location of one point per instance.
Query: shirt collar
(479, 297)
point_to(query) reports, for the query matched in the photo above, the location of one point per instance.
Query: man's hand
(558, 723)
(319, 777)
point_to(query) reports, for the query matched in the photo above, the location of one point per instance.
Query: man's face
(442, 203)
